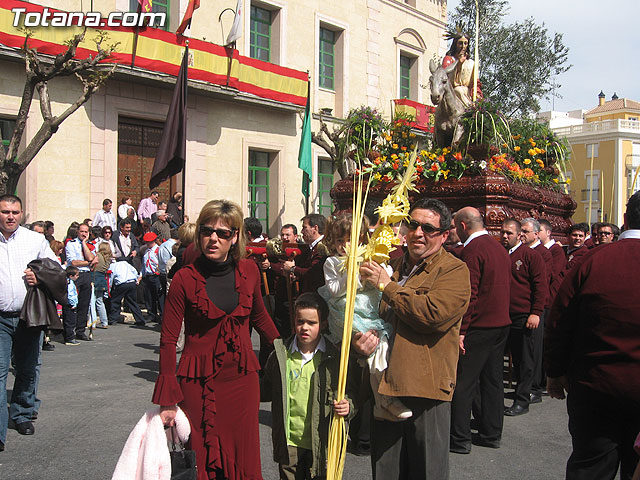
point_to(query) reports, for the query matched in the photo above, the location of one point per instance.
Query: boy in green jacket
(300, 379)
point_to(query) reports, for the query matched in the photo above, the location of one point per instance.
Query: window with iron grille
(260, 36)
(259, 163)
(405, 76)
(325, 183)
(327, 58)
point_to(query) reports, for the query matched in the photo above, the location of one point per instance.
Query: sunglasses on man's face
(223, 233)
(427, 228)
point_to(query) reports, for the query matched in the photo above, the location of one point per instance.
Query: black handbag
(183, 462)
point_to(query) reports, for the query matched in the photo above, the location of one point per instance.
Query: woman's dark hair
(436, 206)
(106, 229)
(314, 301)
(72, 231)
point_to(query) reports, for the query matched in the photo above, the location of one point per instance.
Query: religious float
(474, 157)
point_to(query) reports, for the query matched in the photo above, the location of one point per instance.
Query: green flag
(304, 154)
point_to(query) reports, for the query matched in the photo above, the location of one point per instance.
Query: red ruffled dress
(216, 382)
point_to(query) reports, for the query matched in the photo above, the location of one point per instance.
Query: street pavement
(94, 394)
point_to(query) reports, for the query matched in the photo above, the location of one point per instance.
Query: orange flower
(419, 169)
(528, 173)
(396, 166)
(404, 149)
(458, 156)
(440, 158)
(377, 161)
(516, 148)
(434, 167)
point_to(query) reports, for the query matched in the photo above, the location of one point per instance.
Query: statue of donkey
(448, 130)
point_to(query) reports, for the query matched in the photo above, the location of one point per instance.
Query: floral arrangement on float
(522, 150)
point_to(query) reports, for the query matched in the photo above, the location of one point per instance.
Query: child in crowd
(69, 313)
(99, 273)
(365, 317)
(301, 376)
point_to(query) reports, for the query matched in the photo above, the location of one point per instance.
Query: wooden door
(138, 142)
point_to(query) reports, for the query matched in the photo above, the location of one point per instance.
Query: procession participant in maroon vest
(531, 238)
(453, 245)
(529, 290)
(606, 233)
(308, 267)
(559, 259)
(592, 240)
(576, 249)
(592, 352)
(483, 335)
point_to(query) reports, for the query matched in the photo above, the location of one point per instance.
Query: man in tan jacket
(425, 299)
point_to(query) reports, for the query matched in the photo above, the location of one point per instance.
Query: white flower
(483, 164)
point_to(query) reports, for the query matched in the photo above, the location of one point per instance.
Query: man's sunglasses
(427, 228)
(222, 233)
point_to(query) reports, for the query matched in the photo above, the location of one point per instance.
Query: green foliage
(518, 62)
(365, 128)
(484, 125)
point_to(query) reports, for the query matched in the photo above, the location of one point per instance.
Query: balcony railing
(616, 125)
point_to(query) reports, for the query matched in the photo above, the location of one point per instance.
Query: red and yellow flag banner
(423, 114)
(161, 52)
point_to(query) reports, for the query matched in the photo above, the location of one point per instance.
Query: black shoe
(476, 439)
(48, 347)
(25, 428)
(459, 449)
(1, 447)
(140, 324)
(83, 337)
(535, 398)
(516, 410)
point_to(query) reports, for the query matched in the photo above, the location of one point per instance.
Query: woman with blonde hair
(216, 383)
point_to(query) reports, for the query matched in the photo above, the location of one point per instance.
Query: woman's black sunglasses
(222, 233)
(426, 227)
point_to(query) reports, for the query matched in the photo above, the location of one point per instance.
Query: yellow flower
(395, 146)
(387, 138)
(568, 180)
(532, 152)
(423, 153)
(445, 150)
(555, 180)
(377, 176)
(445, 173)
(527, 161)
(539, 150)
(412, 135)
(406, 163)
(516, 148)
(393, 156)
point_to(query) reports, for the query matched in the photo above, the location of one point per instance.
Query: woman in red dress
(216, 382)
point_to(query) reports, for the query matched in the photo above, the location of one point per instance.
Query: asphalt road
(93, 395)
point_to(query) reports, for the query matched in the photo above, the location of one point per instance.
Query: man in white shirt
(18, 246)
(105, 217)
(79, 255)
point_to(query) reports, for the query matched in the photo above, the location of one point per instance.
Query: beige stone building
(243, 138)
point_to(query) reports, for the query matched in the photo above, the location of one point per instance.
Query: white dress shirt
(475, 235)
(307, 357)
(105, 219)
(15, 253)
(74, 252)
(165, 253)
(122, 272)
(125, 243)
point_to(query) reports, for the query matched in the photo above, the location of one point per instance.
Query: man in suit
(425, 300)
(79, 255)
(529, 291)
(308, 267)
(483, 335)
(591, 352)
(127, 244)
